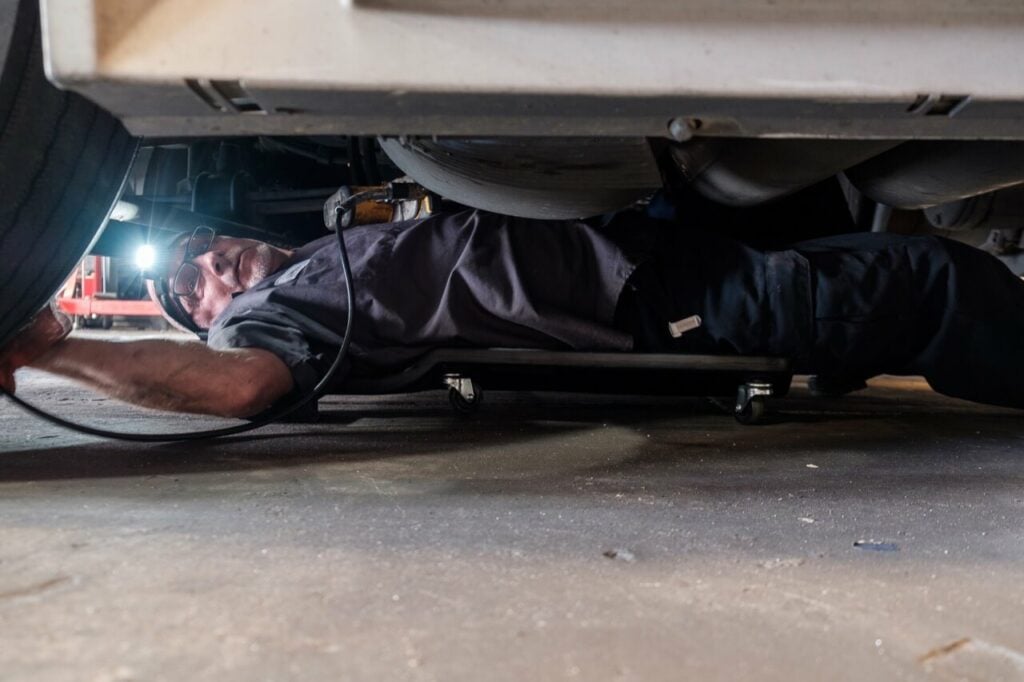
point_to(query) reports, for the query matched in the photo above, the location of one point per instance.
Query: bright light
(145, 257)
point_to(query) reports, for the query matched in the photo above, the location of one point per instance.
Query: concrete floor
(550, 537)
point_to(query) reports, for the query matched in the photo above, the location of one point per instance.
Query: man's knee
(959, 264)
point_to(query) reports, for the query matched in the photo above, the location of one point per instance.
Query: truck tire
(63, 162)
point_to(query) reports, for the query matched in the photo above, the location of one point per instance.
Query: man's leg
(977, 350)
(848, 307)
(697, 273)
(917, 305)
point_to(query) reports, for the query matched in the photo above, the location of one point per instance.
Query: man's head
(204, 271)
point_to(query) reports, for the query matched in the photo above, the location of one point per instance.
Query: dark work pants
(851, 307)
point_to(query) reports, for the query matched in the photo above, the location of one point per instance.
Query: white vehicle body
(256, 110)
(900, 69)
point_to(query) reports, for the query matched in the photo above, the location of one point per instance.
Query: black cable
(273, 416)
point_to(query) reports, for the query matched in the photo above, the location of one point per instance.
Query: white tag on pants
(680, 327)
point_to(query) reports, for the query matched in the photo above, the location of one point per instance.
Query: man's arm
(171, 375)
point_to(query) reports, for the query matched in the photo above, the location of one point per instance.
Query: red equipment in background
(86, 295)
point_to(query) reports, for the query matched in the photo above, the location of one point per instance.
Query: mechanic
(847, 308)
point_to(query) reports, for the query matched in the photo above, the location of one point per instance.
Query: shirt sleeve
(283, 340)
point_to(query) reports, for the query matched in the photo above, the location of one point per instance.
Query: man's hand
(37, 338)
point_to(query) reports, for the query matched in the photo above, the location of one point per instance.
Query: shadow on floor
(528, 446)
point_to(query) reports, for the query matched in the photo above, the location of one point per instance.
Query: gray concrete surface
(550, 537)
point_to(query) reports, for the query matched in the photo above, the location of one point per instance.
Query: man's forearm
(171, 375)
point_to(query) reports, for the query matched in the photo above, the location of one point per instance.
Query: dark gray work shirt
(468, 279)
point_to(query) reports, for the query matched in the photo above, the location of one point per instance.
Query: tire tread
(59, 187)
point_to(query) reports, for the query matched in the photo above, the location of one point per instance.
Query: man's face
(230, 266)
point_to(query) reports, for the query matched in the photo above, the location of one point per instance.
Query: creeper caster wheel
(752, 402)
(464, 394)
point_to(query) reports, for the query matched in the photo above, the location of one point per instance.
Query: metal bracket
(463, 393)
(461, 385)
(335, 202)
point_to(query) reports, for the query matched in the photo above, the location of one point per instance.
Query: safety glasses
(187, 277)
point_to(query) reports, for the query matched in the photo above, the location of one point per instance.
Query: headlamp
(145, 257)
